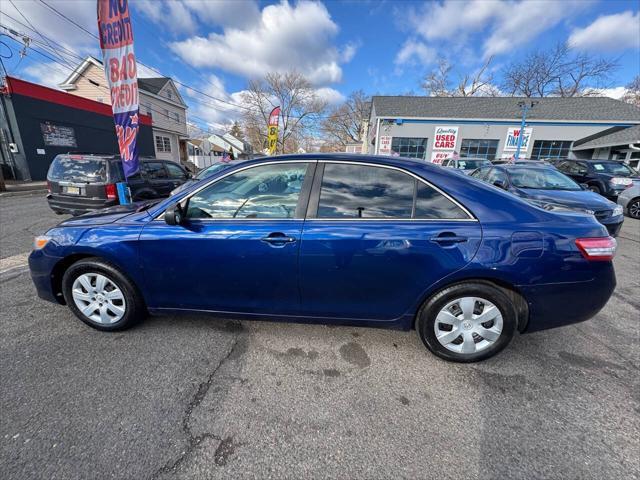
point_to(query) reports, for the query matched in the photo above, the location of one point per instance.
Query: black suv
(606, 177)
(79, 183)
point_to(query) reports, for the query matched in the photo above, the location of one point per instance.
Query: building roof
(623, 136)
(153, 85)
(583, 109)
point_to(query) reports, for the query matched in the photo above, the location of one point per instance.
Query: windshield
(541, 178)
(613, 168)
(472, 164)
(215, 168)
(90, 170)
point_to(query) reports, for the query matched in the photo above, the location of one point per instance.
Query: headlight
(626, 182)
(617, 211)
(40, 242)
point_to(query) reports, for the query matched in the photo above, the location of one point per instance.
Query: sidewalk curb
(21, 193)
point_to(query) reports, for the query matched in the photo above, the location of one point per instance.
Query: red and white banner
(385, 145)
(445, 138)
(116, 42)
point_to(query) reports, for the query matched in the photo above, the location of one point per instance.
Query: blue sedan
(336, 239)
(545, 186)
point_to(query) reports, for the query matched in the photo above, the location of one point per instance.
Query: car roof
(533, 166)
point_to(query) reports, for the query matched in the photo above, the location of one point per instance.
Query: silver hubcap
(98, 298)
(468, 325)
(634, 209)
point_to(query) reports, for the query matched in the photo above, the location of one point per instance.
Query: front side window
(550, 149)
(496, 175)
(541, 178)
(481, 173)
(360, 191)
(175, 171)
(409, 147)
(266, 191)
(154, 170)
(479, 148)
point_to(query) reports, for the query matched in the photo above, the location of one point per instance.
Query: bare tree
(632, 95)
(300, 109)
(236, 130)
(438, 82)
(345, 123)
(557, 72)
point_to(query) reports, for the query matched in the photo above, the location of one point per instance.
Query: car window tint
(360, 191)
(496, 175)
(481, 173)
(266, 191)
(154, 170)
(432, 204)
(175, 171)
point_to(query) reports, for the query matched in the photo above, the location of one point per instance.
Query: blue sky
(383, 47)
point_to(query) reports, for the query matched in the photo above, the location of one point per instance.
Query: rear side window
(357, 191)
(80, 169)
(431, 204)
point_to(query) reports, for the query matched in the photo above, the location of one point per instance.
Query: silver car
(629, 199)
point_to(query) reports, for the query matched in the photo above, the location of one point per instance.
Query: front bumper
(41, 268)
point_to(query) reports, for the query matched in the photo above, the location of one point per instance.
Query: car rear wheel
(467, 322)
(634, 208)
(594, 189)
(101, 296)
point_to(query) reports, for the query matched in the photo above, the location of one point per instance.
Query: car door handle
(448, 238)
(278, 239)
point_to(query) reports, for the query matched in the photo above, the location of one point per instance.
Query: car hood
(569, 198)
(109, 215)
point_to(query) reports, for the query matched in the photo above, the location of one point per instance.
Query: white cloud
(614, 92)
(204, 110)
(609, 33)
(286, 36)
(47, 74)
(510, 23)
(330, 95)
(413, 50)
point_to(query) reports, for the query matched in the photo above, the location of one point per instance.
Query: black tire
(425, 321)
(595, 189)
(633, 208)
(134, 306)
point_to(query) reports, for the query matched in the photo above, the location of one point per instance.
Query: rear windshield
(614, 168)
(90, 170)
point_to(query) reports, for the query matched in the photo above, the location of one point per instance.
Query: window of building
(166, 113)
(169, 94)
(479, 148)
(163, 144)
(176, 116)
(265, 191)
(409, 147)
(550, 149)
(355, 191)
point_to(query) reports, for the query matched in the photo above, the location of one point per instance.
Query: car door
(177, 175)
(157, 178)
(237, 249)
(375, 239)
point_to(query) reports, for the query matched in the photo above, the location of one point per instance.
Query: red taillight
(110, 190)
(48, 186)
(597, 249)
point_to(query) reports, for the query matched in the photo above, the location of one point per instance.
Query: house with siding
(158, 97)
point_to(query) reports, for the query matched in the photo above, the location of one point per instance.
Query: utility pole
(525, 107)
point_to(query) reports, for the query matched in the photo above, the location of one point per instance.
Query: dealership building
(436, 128)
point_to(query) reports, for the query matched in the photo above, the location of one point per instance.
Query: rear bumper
(557, 304)
(77, 205)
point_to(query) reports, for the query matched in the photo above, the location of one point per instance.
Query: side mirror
(584, 186)
(500, 184)
(173, 215)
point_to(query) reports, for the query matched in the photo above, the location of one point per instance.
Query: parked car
(79, 183)
(629, 200)
(550, 189)
(204, 173)
(466, 165)
(526, 161)
(347, 239)
(606, 177)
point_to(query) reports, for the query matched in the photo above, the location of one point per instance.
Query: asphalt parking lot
(197, 397)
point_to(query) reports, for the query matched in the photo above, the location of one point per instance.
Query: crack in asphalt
(194, 441)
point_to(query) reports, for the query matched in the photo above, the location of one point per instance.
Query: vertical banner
(116, 43)
(444, 143)
(272, 130)
(385, 145)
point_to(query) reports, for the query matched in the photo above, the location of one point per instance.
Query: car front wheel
(634, 208)
(467, 322)
(101, 296)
